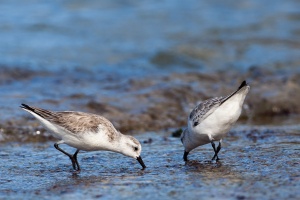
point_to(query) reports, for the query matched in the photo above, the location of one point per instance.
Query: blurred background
(145, 64)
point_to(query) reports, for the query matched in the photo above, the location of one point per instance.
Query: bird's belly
(217, 132)
(90, 142)
(79, 142)
(217, 124)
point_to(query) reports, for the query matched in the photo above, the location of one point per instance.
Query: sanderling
(88, 132)
(212, 119)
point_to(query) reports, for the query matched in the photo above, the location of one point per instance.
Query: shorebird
(85, 131)
(212, 119)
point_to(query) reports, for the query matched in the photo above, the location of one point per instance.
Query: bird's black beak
(141, 162)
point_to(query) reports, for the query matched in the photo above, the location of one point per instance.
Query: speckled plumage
(204, 109)
(210, 120)
(78, 122)
(85, 131)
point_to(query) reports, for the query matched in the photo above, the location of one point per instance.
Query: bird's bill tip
(141, 162)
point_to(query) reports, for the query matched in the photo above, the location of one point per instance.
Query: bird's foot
(77, 171)
(215, 157)
(73, 162)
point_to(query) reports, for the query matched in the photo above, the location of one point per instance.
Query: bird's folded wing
(75, 122)
(204, 109)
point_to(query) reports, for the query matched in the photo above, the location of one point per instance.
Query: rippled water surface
(251, 167)
(145, 65)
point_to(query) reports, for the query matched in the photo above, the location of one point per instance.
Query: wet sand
(140, 105)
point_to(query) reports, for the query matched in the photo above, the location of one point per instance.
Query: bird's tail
(26, 107)
(243, 84)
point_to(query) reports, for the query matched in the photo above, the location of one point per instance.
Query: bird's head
(131, 147)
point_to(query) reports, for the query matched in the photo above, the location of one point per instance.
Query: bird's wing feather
(78, 122)
(75, 122)
(204, 109)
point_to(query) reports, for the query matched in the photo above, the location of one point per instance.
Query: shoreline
(160, 103)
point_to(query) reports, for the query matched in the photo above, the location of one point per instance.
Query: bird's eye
(136, 148)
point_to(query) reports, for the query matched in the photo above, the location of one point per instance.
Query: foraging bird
(212, 119)
(88, 132)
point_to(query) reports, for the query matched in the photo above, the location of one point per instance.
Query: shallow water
(144, 66)
(255, 163)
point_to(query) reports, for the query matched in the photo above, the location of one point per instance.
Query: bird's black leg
(185, 155)
(216, 150)
(214, 147)
(69, 155)
(75, 159)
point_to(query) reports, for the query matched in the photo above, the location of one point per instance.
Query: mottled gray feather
(204, 109)
(77, 122)
(207, 107)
